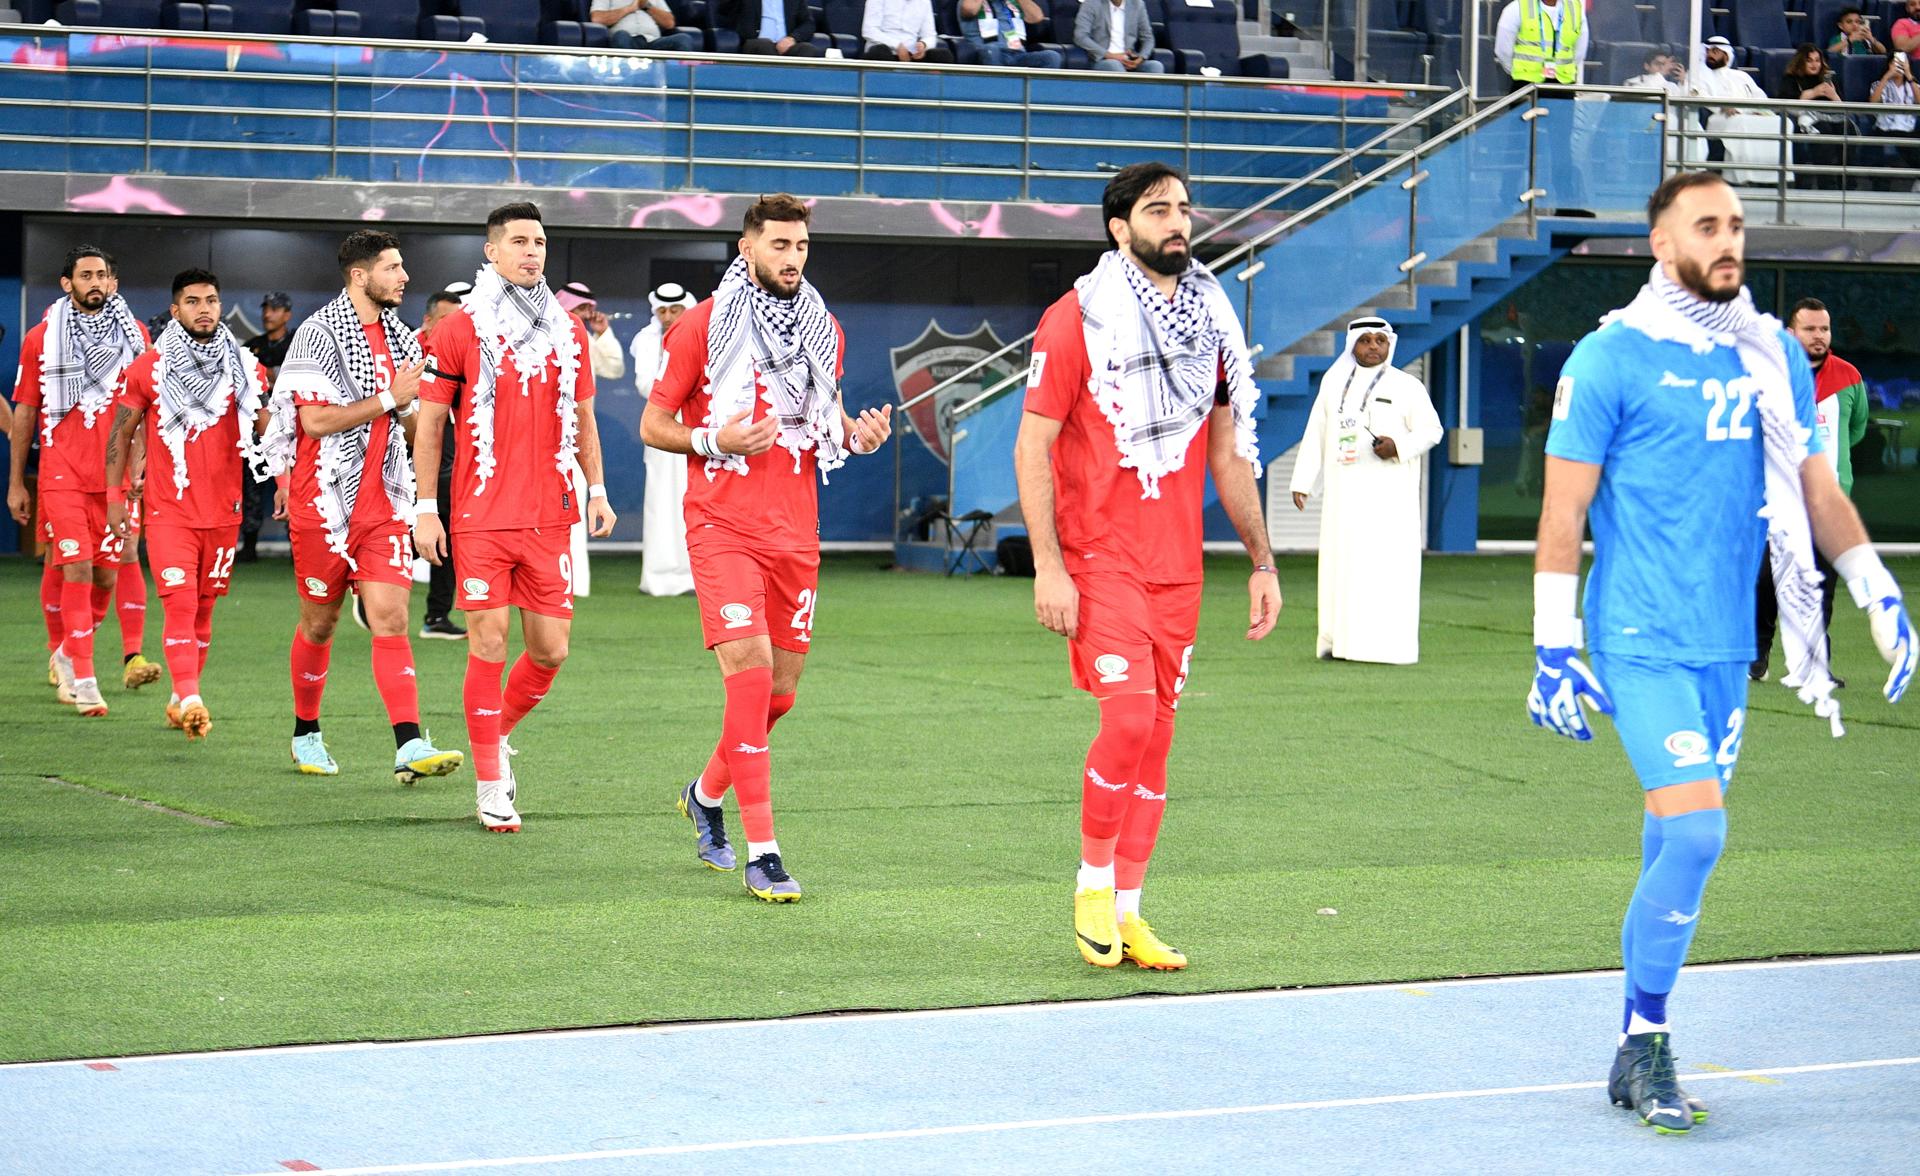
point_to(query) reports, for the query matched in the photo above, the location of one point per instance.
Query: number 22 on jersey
(1730, 405)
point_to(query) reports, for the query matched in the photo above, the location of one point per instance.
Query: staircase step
(1277, 367)
(1314, 343)
(1438, 273)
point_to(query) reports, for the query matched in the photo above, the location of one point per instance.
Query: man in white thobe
(1369, 427)
(664, 567)
(1717, 78)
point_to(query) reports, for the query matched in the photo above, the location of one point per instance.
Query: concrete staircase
(1306, 59)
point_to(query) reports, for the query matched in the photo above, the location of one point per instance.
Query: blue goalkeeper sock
(1666, 905)
(1650, 839)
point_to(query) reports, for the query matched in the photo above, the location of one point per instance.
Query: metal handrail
(1332, 165)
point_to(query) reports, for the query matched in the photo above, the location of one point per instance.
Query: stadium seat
(1772, 66)
(1614, 21)
(1214, 30)
(113, 14)
(1759, 24)
(323, 22)
(1621, 61)
(266, 17)
(511, 22)
(397, 20)
(844, 18)
(1857, 74)
(568, 22)
(440, 27)
(708, 17)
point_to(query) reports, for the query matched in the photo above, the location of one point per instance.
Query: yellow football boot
(1139, 944)
(1094, 928)
(139, 672)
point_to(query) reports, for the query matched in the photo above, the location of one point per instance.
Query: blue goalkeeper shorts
(1678, 722)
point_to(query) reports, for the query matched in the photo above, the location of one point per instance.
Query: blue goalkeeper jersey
(1677, 532)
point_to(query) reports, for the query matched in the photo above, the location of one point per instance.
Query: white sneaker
(86, 698)
(494, 804)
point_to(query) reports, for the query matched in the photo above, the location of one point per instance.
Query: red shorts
(1134, 637)
(530, 569)
(751, 593)
(74, 525)
(192, 559)
(382, 554)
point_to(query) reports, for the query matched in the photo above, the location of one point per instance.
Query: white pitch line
(998, 1010)
(1323, 1104)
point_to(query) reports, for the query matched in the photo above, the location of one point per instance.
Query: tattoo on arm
(121, 416)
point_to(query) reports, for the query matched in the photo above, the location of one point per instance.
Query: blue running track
(1807, 1065)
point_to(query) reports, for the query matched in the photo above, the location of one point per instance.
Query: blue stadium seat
(844, 18)
(326, 22)
(706, 15)
(1772, 64)
(1857, 75)
(266, 17)
(1621, 61)
(397, 20)
(1669, 24)
(114, 14)
(510, 22)
(1613, 21)
(568, 22)
(1760, 24)
(441, 27)
(1215, 32)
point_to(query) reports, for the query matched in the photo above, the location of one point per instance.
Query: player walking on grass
(343, 410)
(70, 364)
(756, 367)
(508, 367)
(1688, 378)
(199, 395)
(1140, 384)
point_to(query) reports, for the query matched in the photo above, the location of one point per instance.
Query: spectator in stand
(1906, 31)
(1895, 88)
(1808, 80)
(997, 29)
(642, 24)
(1540, 41)
(1851, 35)
(1660, 70)
(902, 30)
(1116, 35)
(608, 357)
(782, 28)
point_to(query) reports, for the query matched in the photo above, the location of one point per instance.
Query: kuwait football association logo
(936, 356)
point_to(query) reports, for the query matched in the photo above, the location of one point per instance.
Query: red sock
(1126, 728)
(527, 684)
(76, 609)
(308, 665)
(52, 582)
(482, 695)
(1146, 804)
(203, 629)
(743, 740)
(177, 611)
(130, 596)
(393, 674)
(717, 779)
(101, 599)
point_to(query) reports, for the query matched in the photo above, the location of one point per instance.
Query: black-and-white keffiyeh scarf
(1665, 310)
(330, 359)
(1155, 363)
(82, 359)
(783, 350)
(196, 384)
(529, 327)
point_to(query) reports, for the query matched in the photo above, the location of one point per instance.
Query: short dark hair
(1653, 56)
(439, 296)
(1804, 304)
(1671, 187)
(193, 277)
(79, 253)
(1844, 13)
(363, 246)
(780, 206)
(500, 217)
(1131, 183)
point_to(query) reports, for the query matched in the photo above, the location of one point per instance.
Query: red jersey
(214, 464)
(77, 459)
(526, 489)
(371, 506)
(1104, 522)
(772, 506)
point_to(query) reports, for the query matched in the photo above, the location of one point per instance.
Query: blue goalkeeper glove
(1873, 589)
(1561, 683)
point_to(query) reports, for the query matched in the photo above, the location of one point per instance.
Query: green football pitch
(1329, 823)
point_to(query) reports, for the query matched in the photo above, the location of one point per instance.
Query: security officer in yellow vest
(1541, 41)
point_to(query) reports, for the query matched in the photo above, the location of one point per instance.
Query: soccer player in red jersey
(1140, 384)
(756, 367)
(343, 409)
(70, 364)
(199, 395)
(511, 367)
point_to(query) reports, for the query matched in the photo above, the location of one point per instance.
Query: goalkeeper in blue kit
(1682, 431)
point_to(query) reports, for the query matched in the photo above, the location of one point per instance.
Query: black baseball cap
(277, 299)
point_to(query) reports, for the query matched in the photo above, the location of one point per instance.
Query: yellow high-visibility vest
(1533, 52)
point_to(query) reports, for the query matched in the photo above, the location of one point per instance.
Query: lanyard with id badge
(1347, 435)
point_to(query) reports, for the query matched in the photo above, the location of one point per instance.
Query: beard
(1696, 278)
(1817, 353)
(1160, 260)
(769, 280)
(385, 297)
(91, 300)
(205, 336)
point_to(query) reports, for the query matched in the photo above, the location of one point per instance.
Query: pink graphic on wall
(122, 196)
(704, 211)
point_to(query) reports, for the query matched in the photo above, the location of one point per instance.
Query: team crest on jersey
(737, 616)
(316, 586)
(1562, 398)
(935, 356)
(1111, 667)
(1688, 748)
(476, 588)
(173, 577)
(69, 547)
